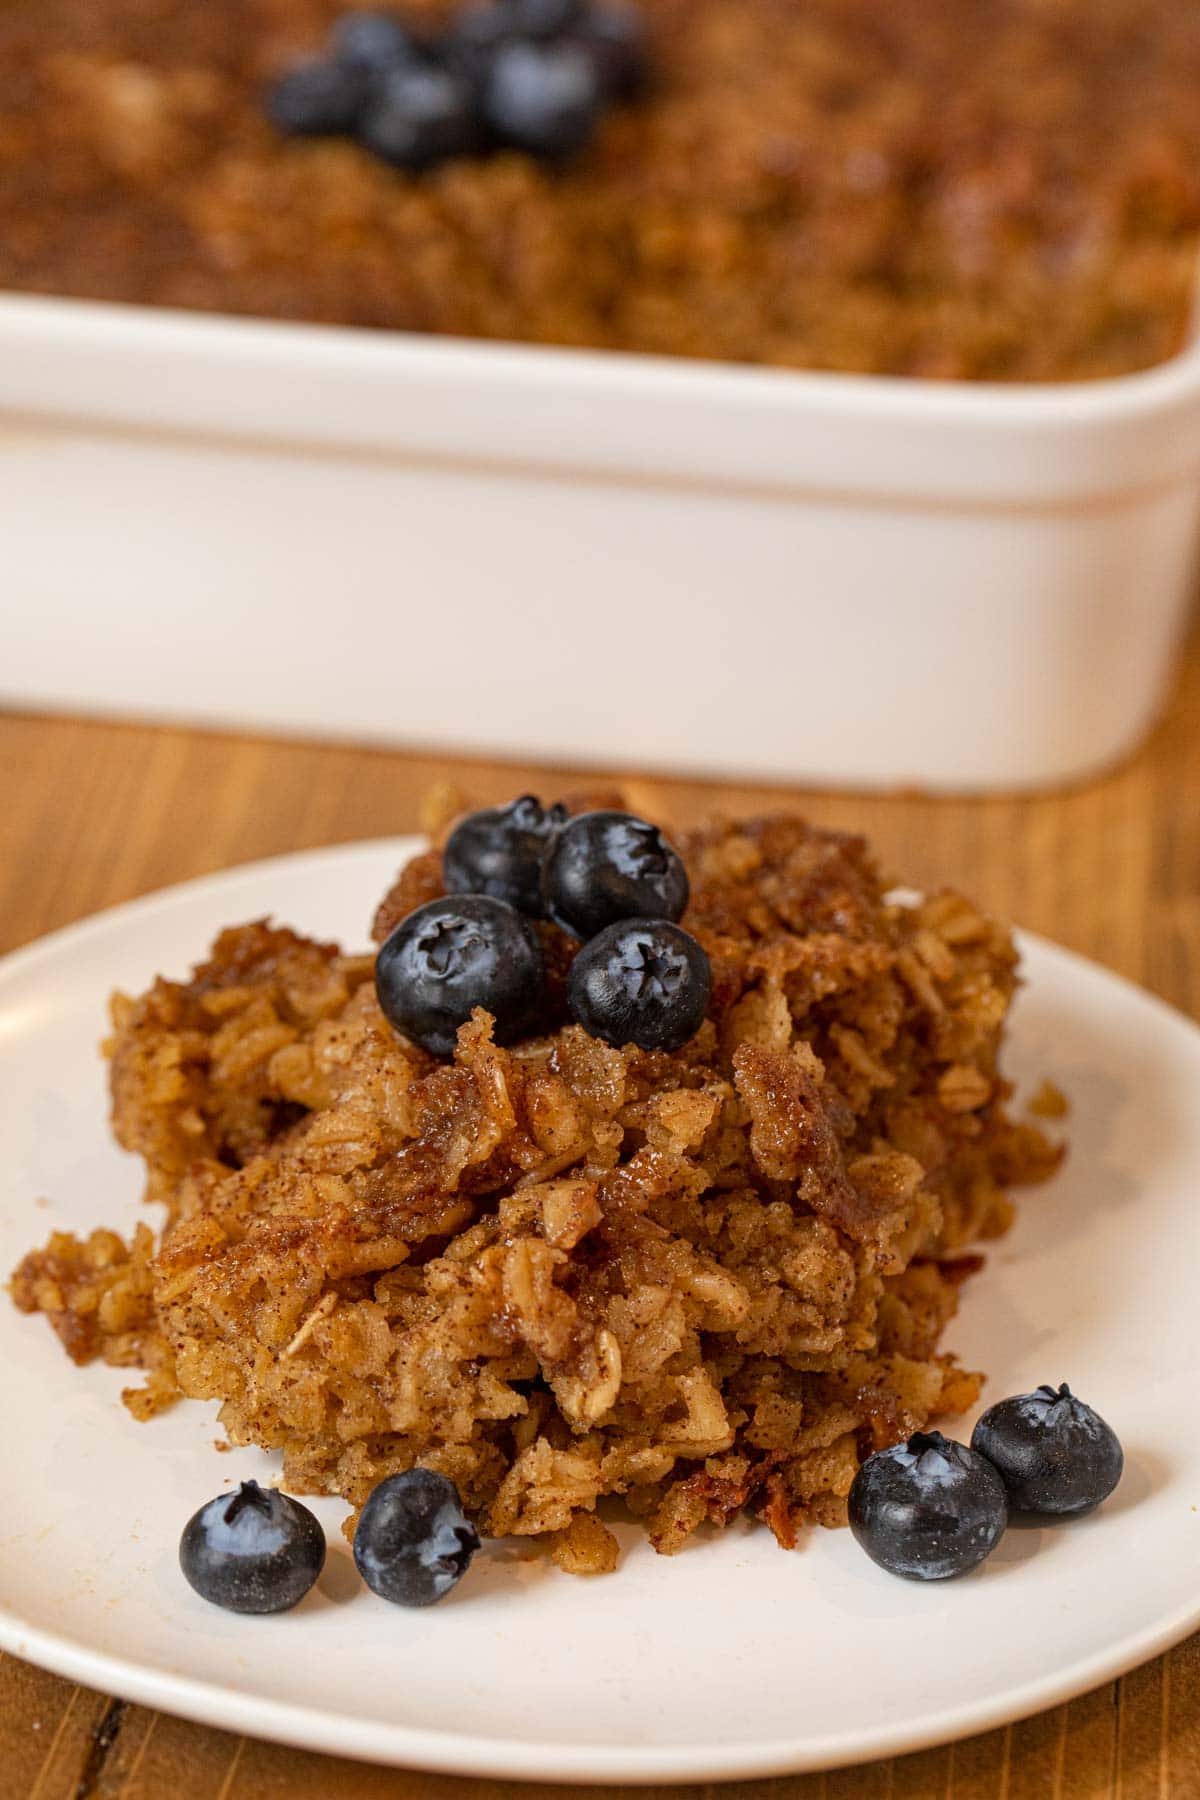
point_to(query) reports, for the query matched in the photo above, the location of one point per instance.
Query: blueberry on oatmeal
(372, 41)
(452, 955)
(614, 36)
(316, 99)
(643, 982)
(605, 866)
(500, 851)
(544, 18)
(418, 116)
(542, 98)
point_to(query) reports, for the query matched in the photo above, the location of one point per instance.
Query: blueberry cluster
(607, 878)
(532, 75)
(932, 1508)
(260, 1551)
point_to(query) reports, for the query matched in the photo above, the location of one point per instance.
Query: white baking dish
(592, 557)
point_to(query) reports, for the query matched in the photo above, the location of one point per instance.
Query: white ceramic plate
(733, 1659)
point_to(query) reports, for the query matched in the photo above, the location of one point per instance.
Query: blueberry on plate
(256, 1551)
(928, 1509)
(614, 36)
(452, 955)
(499, 852)
(413, 1542)
(316, 99)
(544, 98)
(640, 981)
(372, 41)
(605, 866)
(1054, 1454)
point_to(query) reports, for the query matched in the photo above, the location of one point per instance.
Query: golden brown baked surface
(704, 1282)
(1005, 189)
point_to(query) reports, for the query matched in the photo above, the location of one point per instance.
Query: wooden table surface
(96, 813)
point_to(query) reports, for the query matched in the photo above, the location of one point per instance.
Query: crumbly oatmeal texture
(1004, 189)
(706, 1282)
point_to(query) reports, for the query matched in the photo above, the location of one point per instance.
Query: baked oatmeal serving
(675, 1222)
(995, 189)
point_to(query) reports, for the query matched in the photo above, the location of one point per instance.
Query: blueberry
(1054, 1454)
(543, 18)
(453, 955)
(542, 98)
(256, 1551)
(614, 37)
(500, 852)
(418, 116)
(605, 866)
(413, 1541)
(473, 37)
(316, 99)
(485, 26)
(640, 981)
(928, 1509)
(372, 41)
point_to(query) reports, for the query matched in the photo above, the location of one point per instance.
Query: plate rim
(522, 1759)
(401, 1745)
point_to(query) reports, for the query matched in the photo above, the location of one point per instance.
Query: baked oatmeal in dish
(703, 1281)
(997, 189)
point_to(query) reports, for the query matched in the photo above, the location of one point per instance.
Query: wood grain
(95, 813)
